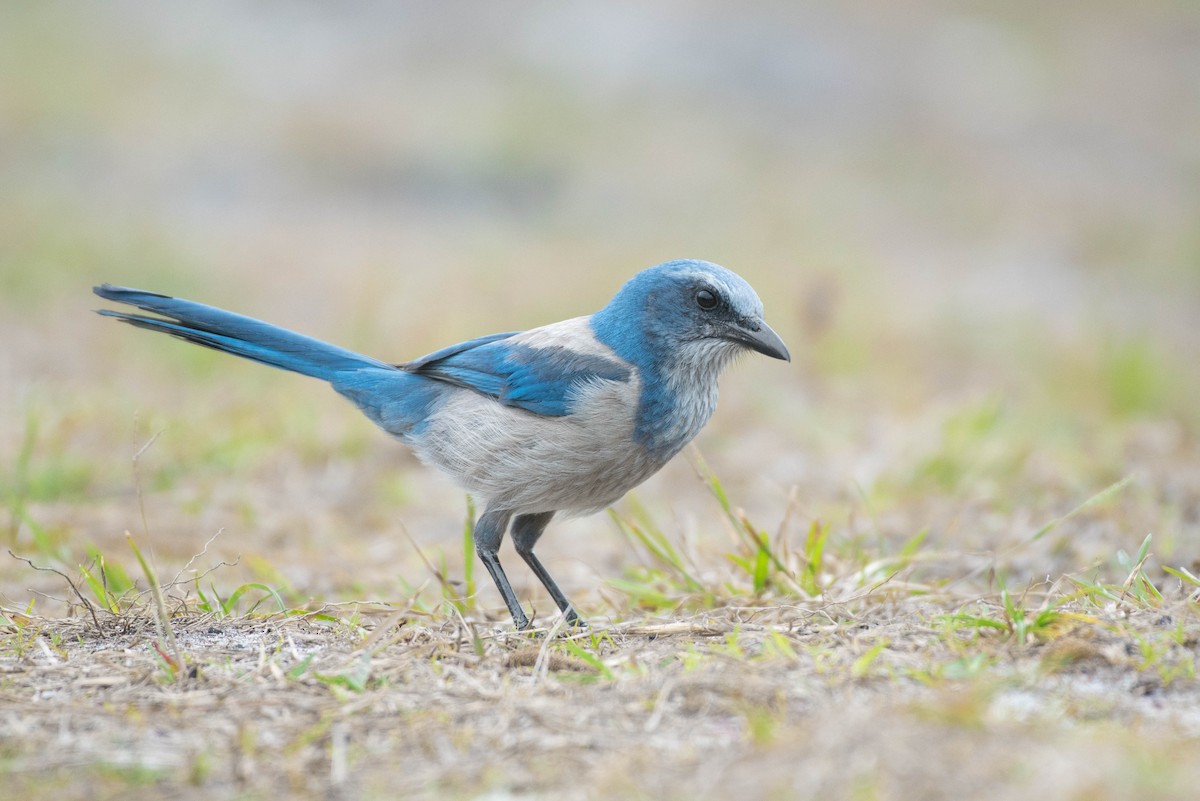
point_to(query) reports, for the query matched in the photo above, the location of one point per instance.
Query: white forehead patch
(740, 295)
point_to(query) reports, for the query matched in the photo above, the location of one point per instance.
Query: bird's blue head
(691, 311)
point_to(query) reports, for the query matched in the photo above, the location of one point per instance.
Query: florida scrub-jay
(563, 418)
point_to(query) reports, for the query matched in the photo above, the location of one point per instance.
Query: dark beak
(757, 335)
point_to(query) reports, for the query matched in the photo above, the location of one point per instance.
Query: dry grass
(873, 698)
(885, 682)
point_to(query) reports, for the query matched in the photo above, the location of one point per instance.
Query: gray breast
(525, 462)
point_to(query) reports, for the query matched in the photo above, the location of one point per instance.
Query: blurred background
(977, 226)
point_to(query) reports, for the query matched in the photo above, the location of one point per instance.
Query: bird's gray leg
(489, 531)
(526, 531)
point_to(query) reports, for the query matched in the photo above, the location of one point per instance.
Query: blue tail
(396, 400)
(232, 333)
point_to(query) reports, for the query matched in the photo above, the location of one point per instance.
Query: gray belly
(524, 462)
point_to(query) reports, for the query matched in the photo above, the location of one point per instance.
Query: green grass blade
(230, 605)
(657, 545)
(1100, 497)
(1183, 574)
(587, 657)
(166, 631)
(468, 599)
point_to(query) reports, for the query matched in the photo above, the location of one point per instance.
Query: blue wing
(536, 379)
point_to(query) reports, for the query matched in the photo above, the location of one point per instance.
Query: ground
(758, 701)
(951, 551)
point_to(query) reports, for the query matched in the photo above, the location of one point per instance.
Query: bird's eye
(706, 299)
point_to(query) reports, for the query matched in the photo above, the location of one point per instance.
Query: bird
(562, 419)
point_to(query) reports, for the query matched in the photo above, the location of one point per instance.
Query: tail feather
(233, 333)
